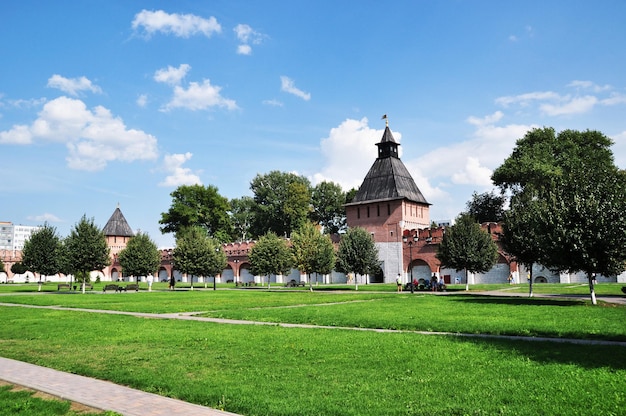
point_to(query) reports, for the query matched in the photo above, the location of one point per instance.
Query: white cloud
(552, 104)
(287, 85)
(46, 217)
(244, 49)
(487, 120)
(26, 104)
(246, 35)
(178, 174)
(576, 105)
(354, 138)
(93, 138)
(199, 97)
(273, 103)
(19, 134)
(72, 86)
(473, 173)
(180, 25)
(142, 100)
(527, 98)
(469, 163)
(589, 85)
(171, 75)
(614, 99)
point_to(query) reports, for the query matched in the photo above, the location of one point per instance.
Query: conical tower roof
(388, 178)
(117, 225)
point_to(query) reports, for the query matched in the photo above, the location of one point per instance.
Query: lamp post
(410, 241)
(236, 272)
(217, 250)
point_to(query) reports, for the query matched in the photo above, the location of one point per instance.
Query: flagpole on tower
(386, 120)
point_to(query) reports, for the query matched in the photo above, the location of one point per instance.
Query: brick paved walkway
(97, 393)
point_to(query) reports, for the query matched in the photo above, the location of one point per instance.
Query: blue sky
(107, 102)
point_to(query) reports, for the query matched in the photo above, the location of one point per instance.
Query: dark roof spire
(117, 225)
(388, 178)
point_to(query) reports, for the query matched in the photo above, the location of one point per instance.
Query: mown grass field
(16, 400)
(273, 370)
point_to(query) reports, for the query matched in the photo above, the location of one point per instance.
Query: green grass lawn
(18, 401)
(272, 370)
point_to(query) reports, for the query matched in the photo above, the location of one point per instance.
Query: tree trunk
(466, 281)
(592, 288)
(530, 283)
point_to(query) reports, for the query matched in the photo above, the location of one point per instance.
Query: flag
(384, 117)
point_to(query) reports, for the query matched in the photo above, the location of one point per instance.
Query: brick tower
(117, 233)
(387, 203)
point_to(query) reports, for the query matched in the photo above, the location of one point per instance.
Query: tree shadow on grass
(516, 300)
(588, 356)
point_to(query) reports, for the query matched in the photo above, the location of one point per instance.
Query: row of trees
(196, 253)
(83, 250)
(567, 200)
(281, 203)
(312, 252)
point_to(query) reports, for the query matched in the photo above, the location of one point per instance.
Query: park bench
(624, 289)
(132, 286)
(64, 286)
(293, 283)
(88, 286)
(246, 284)
(111, 287)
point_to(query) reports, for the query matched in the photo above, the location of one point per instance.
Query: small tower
(117, 233)
(387, 203)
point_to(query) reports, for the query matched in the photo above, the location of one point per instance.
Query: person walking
(399, 283)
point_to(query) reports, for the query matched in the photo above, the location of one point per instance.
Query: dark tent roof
(387, 137)
(388, 178)
(117, 225)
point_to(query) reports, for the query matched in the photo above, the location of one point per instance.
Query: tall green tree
(86, 249)
(242, 216)
(65, 266)
(486, 207)
(312, 251)
(523, 232)
(41, 251)
(140, 257)
(328, 200)
(465, 246)
(583, 194)
(197, 254)
(351, 194)
(18, 268)
(197, 205)
(357, 254)
(270, 255)
(282, 202)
